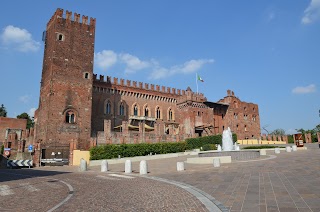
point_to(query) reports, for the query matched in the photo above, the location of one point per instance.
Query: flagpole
(197, 81)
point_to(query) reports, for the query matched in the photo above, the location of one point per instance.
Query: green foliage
(278, 132)
(3, 111)
(290, 139)
(30, 121)
(207, 147)
(195, 143)
(261, 147)
(130, 150)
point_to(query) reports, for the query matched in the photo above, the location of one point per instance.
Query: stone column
(269, 138)
(180, 166)
(143, 167)
(128, 167)
(288, 149)
(216, 162)
(308, 137)
(104, 166)
(83, 165)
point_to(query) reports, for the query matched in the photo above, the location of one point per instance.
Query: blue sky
(266, 51)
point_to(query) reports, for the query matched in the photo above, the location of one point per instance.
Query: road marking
(123, 176)
(29, 187)
(106, 177)
(5, 190)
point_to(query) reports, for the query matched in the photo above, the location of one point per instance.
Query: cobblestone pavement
(46, 188)
(289, 182)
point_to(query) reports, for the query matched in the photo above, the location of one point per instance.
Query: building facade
(78, 109)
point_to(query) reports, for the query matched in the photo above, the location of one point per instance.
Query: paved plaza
(287, 182)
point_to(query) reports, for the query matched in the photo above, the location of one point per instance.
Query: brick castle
(78, 109)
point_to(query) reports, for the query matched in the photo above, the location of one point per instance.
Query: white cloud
(188, 67)
(24, 98)
(105, 59)
(312, 13)
(304, 90)
(31, 112)
(18, 39)
(133, 63)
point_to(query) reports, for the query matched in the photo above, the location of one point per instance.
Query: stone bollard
(180, 166)
(216, 162)
(83, 165)
(277, 150)
(263, 152)
(288, 149)
(128, 167)
(143, 167)
(294, 148)
(104, 166)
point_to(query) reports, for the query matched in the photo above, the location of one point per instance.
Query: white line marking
(106, 177)
(5, 190)
(29, 187)
(123, 176)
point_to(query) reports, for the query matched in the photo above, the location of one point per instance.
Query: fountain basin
(235, 155)
(208, 160)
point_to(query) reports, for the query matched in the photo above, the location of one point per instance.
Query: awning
(132, 127)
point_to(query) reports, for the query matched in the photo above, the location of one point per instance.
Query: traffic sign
(6, 152)
(30, 148)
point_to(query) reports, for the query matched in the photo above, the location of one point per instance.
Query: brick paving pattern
(289, 182)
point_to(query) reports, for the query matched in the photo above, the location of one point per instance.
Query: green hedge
(130, 150)
(194, 143)
(290, 139)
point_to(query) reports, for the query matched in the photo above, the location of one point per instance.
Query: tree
(30, 121)
(278, 132)
(3, 111)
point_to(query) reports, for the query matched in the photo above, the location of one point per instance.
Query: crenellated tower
(64, 114)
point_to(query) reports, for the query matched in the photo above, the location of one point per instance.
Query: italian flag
(199, 78)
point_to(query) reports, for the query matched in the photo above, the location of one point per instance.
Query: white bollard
(180, 166)
(263, 152)
(216, 162)
(277, 150)
(288, 149)
(294, 148)
(83, 165)
(143, 167)
(104, 166)
(128, 167)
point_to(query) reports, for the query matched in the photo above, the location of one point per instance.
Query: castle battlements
(142, 86)
(61, 17)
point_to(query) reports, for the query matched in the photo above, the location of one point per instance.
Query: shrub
(109, 151)
(207, 147)
(290, 139)
(194, 143)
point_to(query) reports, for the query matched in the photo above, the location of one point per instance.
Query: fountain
(230, 149)
(227, 143)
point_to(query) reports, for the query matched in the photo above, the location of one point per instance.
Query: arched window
(135, 110)
(70, 117)
(170, 113)
(121, 109)
(146, 111)
(108, 107)
(158, 113)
